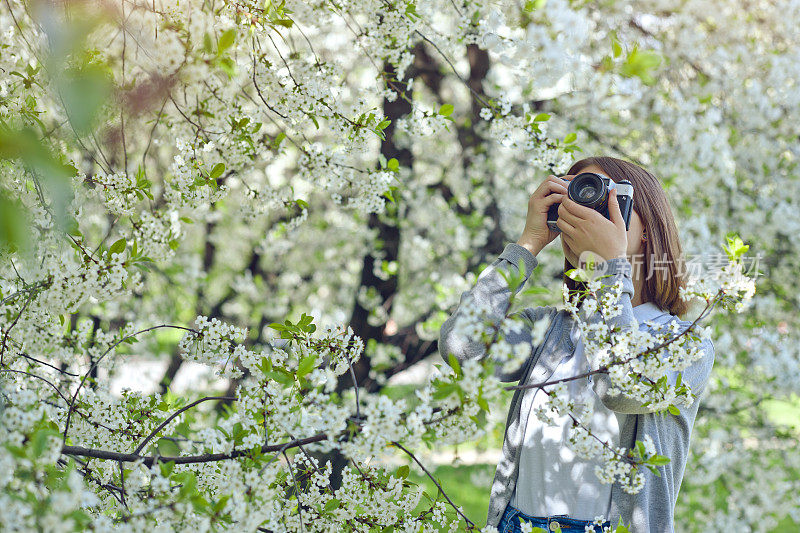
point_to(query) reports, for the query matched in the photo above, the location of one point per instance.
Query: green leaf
(199, 503)
(735, 247)
(541, 117)
(81, 518)
(446, 110)
(83, 90)
(535, 290)
(304, 324)
(72, 227)
(166, 468)
(454, 363)
(307, 364)
(220, 504)
(393, 164)
(266, 364)
(532, 5)
(640, 448)
(217, 171)
(168, 448)
(53, 175)
(403, 471)
(514, 280)
(40, 440)
(674, 410)
(14, 224)
(226, 40)
(118, 247)
(332, 504)
(482, 403)
(570, 137)
(281, 376)
(577, 274)
(641, 63)
(444, 391)
(616, 47)
(16, 451)
(227, 65)
(658, 460)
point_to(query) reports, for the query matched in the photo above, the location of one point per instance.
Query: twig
(469, 522)
(37, 377)
(148, 460)
(26, 356)
(175, 414)
(296, 489)
(97, 361)
(604, 369)
(11, 326)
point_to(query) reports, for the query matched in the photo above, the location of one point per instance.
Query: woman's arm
(492, 291)
(695, 375)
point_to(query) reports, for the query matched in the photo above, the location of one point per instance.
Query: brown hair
(663, 245)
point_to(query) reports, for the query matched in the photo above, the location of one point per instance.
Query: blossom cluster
(211, 342)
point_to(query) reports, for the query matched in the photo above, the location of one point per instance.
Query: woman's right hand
(536, 234)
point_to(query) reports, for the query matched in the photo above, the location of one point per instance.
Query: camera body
(592, 190)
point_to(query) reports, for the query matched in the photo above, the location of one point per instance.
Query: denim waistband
(564, 521)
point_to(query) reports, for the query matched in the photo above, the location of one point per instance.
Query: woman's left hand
(585, 230)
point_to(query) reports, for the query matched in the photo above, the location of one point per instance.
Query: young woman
(539, 480)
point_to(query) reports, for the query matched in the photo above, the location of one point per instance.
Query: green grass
(456, 480)
(784, 412)
(458, 484)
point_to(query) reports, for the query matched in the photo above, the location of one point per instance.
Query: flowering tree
(197, 181)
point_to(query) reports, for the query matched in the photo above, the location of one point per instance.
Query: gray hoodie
(652, 508)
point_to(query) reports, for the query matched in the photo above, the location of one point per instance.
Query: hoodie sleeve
(696, 375)
(492, 292)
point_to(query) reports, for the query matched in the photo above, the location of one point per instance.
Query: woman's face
(635, 229)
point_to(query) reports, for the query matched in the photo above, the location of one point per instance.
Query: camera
(592, 190)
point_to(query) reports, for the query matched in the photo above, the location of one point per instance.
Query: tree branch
(149, 460)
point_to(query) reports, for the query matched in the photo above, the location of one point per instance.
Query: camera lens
(588, 189)
(587, 193)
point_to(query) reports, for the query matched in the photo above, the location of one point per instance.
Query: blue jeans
(510, 522)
